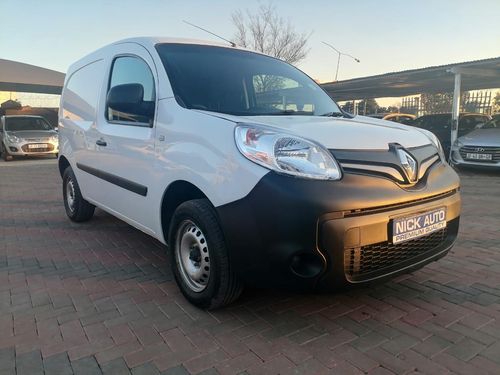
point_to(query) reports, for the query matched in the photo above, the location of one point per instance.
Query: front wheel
(199, 258)
(77, 208)
(6, 155)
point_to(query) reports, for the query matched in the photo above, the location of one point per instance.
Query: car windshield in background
(432, 122)
(15, 124)
(241, 83)
(492, 124)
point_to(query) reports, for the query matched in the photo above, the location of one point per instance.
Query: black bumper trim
(283, 217)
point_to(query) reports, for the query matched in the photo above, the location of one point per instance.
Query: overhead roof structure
(20, 77)
(475, 75)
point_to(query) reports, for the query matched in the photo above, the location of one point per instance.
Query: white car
(248, 170)
(24, 135)
(479, 148)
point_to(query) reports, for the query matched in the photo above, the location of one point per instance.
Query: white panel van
(248, 170)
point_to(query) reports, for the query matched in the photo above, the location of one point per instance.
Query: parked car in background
(402, 118)
(496, 116)
(440, 125)
(481, 147)
(27, 135)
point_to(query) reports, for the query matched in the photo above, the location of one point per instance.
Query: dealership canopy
(475, 75)
(466, 76)
(20, 77)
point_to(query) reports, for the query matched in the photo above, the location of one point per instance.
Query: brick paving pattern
(98, 298)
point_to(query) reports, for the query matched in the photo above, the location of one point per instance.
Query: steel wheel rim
(70, 195)
(192, 256)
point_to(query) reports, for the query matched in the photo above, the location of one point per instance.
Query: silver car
(480, 147)
(27, 135)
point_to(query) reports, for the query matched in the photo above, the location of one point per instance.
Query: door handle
(101, 142)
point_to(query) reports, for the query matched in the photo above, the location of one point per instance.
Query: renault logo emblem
(408, 162)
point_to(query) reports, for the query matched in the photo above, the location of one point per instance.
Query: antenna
(233, 44)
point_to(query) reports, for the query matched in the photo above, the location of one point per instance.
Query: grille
(493, 151)
(49, 147)
(37, 140)
(362, 262)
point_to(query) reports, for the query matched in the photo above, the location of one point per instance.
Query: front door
(125, 137)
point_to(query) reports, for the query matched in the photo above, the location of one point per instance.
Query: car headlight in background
(54, 139)
(286, 153)
(458, 144)
(12, 138)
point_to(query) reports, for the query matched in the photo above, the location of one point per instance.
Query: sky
(386, 35)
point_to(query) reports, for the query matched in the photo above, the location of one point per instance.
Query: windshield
(495, 123)
(242, 83)
(433, 122)
(26, 123)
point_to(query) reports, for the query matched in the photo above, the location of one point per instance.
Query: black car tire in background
(5, 154)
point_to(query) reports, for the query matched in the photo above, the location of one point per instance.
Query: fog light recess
(306, 265)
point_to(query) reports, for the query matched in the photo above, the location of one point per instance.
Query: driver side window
(132, 92)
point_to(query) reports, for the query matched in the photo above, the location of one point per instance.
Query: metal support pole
(455, 112)
(337, 72)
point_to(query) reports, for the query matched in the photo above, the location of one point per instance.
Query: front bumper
(457, 158)
(27, 147)
(329, 234)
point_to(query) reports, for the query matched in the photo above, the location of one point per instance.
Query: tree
(437, 103)
(496, 103)
(371, 106)
(267, 32)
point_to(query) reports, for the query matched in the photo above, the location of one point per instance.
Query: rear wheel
(77, 208)
(199, 258)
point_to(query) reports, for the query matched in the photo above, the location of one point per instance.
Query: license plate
(410, 227)
(478, 156)
(38, 145)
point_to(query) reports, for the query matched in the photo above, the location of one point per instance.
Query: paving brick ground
(99, 298)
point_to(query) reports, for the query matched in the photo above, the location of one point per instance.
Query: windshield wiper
(333, 114)
(287, 112)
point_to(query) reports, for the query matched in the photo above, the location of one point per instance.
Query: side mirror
(125, 98)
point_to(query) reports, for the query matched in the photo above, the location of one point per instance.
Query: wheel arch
(175, 194)
(63, 164)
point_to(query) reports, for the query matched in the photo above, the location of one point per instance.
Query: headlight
(439, 148)
(458, 144)
(286, 153)
(13, 139)
(54, 139)
(432, 137)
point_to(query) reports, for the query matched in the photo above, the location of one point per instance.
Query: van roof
(149, 42)
(152, 41)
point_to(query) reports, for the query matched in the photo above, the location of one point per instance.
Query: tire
(5, 154)
(211, 282)
(77, 208)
